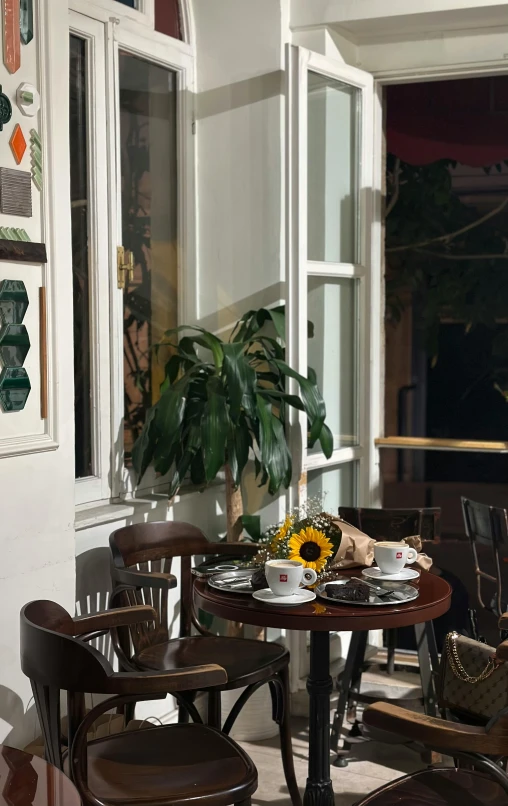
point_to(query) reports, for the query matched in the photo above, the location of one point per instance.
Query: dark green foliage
(444, 257)
(220, 400)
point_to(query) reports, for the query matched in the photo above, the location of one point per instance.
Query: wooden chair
(439, 788)
(393, 524)
(479, 746)
(142, 557)
(487, 526)
(158, 766)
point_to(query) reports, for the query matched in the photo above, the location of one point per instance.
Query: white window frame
(299, 61)
(96, 487)
(122, 31)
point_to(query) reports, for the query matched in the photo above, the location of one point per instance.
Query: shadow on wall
(16, 724)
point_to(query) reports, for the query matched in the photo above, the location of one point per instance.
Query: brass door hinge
(125, 266)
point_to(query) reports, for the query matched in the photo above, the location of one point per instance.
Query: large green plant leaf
(275, 394)
(311, 397)
(241, 379)
(214, 428)
(272, 446)
(206, 339)
(144, 447)
(239, 443)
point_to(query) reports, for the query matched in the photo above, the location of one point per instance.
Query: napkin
(357, 548)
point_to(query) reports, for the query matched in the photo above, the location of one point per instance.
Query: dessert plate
(399, 594)
(405, 574)
(297, 598)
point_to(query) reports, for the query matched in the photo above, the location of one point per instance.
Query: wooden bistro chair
(488, 527)
(170, 765)
(445, 787)
(141, 569)
(482, 747)
(392, 524)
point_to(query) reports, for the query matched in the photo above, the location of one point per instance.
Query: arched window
(168, 18)
(167, 13)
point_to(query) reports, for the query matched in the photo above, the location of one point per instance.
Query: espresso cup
(391, 557)
(284, 577)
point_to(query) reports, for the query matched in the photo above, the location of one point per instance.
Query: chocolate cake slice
(352, 591)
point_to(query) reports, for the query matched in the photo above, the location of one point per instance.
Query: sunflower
(281, 534)
(311, 548)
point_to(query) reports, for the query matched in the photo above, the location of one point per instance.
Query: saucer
(297, 598)
(376, 573)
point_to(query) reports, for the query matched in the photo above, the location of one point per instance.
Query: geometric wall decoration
(14, 388)
(28, 99)
(14, 234)
(15, 192)
(26, 21)
(12, 39)
(36, 152)
(18, 143)
(14, 345)
(13, 302)
(5, 109)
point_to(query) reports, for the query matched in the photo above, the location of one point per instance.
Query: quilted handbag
(472, 679)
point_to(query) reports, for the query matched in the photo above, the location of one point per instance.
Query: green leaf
(272, 446)
(144, 447)
(314, 404)
(275, 394)
(252, 525)
(326, 441)
(241, 379)
(171, 408)
(239, 442)
(206, 339)
(214, 429)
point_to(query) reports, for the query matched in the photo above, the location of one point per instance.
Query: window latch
(125, 266)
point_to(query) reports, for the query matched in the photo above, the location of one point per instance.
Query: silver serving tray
(233, 581)
(403, 594)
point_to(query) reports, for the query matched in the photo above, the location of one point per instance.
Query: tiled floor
(373, 765)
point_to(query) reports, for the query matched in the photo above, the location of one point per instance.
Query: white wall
(37, 491)
(240, 155)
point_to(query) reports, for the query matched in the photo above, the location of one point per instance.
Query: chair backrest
(395, 524)
(149, 548)
(487, 526)
(55, 661)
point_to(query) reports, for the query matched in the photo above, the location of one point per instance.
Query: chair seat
(245, 661)
(445, 787)
(164, 765)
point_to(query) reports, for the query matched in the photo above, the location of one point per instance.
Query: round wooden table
(321, 618)
(26, 780)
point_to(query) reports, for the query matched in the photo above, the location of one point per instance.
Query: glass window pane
(167, 18)
(333, 126)
(78, 126)
(332, 353)
(149, 228)
(336, 486)
(130, 3)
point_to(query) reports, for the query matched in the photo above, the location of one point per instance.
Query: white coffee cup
(391, 557)
(284, 577)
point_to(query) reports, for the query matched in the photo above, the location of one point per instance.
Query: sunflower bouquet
(307, 535)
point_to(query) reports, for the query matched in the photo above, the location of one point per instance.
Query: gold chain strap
(457, 667)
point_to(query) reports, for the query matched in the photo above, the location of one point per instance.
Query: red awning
(464, 120)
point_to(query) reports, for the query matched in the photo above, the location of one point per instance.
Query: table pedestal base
(319, 790)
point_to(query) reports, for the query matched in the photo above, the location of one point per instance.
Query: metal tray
(231, 581)
(404, 594)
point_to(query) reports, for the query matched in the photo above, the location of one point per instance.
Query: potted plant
(223, 402)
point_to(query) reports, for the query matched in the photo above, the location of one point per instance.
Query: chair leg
(281, 699)
(427, 660)
(349, 679)
(214, 709)
(391, 644)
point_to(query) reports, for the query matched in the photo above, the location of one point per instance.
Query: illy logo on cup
(283, 577)
(399, 555)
